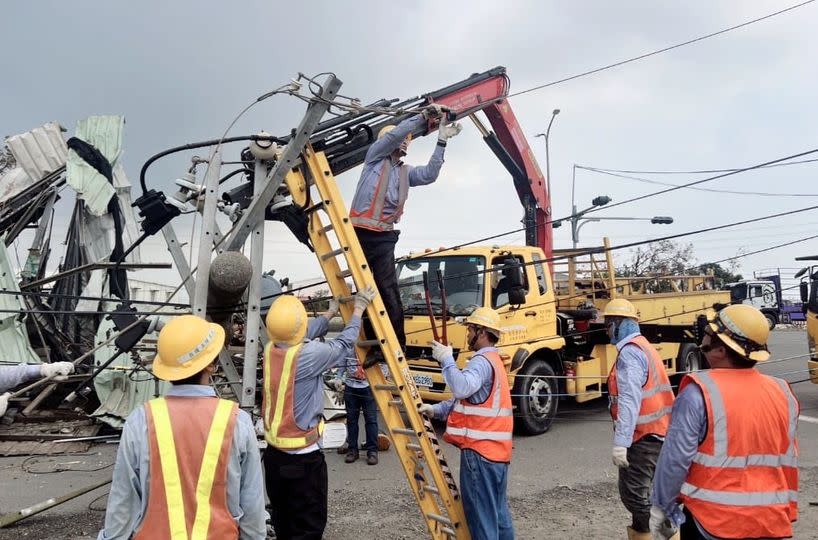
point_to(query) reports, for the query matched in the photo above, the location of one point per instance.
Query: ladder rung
(368, 342)
(403, 431)
(331, 254)
(396, 402)
(387, 387)
(416, 448)
(327, 228)
(313, 208)
(441, 519)
(344, 274)
(430, 489)
(448, 531)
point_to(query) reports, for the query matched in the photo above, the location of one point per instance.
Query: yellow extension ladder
(340, 255)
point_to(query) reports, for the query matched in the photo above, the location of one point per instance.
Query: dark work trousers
(379, 249)
(297, 488)
(635, 481)
(355, 401)
(689, 530)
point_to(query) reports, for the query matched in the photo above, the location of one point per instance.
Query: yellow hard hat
(619, 307)
(286, 320)
(744, 329)
(186, 345)
(486, 318)
(386, 129)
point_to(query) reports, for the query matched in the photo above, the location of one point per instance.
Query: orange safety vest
(373, 218)
(280, 429)
(657, 394)
(485, 427)
(743, 482)
(189, 440)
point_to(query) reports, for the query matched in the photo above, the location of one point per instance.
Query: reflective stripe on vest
(280, 429)
(373, 217)
(736, 487)
(170, 469)
(657, 394)
(486, 427)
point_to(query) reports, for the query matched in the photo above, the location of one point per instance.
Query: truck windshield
(463, 278)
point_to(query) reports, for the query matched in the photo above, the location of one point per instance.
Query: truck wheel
(771, 320)
(536, 398)
(689, 358)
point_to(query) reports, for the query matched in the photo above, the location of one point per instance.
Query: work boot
(352, 456)
(371, 458)
(343, 449)
(633, 535)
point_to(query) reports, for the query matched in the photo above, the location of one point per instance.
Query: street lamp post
(545, 135)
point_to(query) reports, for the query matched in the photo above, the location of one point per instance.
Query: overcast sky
(180, 71)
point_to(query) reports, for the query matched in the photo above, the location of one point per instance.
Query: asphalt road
(561, 484)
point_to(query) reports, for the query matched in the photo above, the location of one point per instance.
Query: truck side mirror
(516, 296)
(514, 274)
(804, 289)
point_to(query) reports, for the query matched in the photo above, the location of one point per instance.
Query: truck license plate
(423, 380)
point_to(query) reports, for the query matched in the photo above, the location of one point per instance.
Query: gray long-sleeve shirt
(128, 498)
(472, 383)
(314, 358)
(631, 376)
(378, 157)
(11, 376)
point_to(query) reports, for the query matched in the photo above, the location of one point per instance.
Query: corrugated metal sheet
(14, 182)
(105, 134)
(40, 151)
(14, 342)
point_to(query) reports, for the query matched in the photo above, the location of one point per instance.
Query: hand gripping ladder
(340, 255)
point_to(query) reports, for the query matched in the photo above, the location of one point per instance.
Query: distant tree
(320, 301)
(662, 258)
(7, 160)
(721, 274)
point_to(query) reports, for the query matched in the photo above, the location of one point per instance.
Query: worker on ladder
(188, 464)
(294, 363)
(379, 200)
(479, 421)
(640, 402)
(731, 453)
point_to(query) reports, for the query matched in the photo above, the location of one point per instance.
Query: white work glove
(620, 457)
(4, 403)
(337, 384)
(446, 132)
(661, 528)
(364, 297)
(334, 308)
(440, 351)
(426, 410)
(432, 111)
(56, 368)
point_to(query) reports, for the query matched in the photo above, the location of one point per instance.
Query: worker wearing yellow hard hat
(292, 406)
(479, 421)
(379, 200)
(730, 455)
(640, 402)
(162, 464)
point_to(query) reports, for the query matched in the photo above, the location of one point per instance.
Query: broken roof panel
(105, 134)
(40, 151)
(13, 336)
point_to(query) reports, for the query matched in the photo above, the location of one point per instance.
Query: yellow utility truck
(809, 296)
(554, 344)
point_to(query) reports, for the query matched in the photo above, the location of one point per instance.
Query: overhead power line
(711, 190)
(698, 171)
(703, 180)
(659, 51)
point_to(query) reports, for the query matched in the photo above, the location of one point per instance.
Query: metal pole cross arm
(286, 162)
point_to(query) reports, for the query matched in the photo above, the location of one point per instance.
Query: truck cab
(513, 280)
(763, 294)
(809, 296)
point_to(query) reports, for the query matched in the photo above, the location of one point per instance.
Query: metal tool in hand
(444, 338)
(428, 298)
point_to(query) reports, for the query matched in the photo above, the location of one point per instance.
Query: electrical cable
(659, 51)
(697, 171)
(711, 190)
